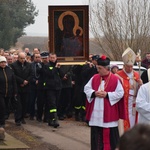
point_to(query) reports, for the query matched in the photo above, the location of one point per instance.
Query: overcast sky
(40, 27)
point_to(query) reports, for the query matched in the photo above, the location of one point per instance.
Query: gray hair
(107, 67)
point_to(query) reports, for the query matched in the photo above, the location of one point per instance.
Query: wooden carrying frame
(69, 33)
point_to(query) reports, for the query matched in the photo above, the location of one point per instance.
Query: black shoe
(69, 115)
(45, 120)
(83, 119)
(23, 121)
(87, 122)
(31, 118)
(26, 116)
(61, 117)
(18, 123)
(77, 118)
(54, 123)
(39, 120)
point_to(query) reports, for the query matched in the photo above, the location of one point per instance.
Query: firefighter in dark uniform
(88, 70)
(78, 103)
(82, 75)
(52, 86)
(65, 101)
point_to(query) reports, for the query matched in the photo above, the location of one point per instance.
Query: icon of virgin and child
(69, 35)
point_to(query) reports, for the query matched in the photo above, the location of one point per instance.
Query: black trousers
(65, 102)
(22, 97)
(32, 100)
(52, 97)
(77, 98)
(17, 107)
(98, 135)
(42, 105)
(4, 108)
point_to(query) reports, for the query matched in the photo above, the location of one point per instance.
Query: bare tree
(118, 24)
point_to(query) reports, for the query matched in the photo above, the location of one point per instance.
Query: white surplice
(98, 110)
(143, 103)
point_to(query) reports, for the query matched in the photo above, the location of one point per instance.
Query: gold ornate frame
(70, 47)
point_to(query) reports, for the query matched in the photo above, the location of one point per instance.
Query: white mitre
(128, 56)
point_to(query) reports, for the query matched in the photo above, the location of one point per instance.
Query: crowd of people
(44, 90)
(111, 101)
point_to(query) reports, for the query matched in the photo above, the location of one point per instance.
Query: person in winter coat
(23, 72)
(8, 89)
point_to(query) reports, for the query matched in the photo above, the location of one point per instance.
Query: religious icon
(68, 32)
(71, 35)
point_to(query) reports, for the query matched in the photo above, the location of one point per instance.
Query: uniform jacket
(86, 73)
(77, 74)
(67, 71)
(52, 76)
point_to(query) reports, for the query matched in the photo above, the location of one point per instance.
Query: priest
(131, 82)
(104, 107)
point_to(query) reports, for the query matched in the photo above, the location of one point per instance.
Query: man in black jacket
(22, 70)
(52, 85)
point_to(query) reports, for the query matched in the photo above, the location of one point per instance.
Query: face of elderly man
(102, 70)
(22, 57)
(128, 68)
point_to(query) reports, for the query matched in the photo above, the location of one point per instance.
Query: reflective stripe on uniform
(77, 107)
(52, 110)
(83, 107)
